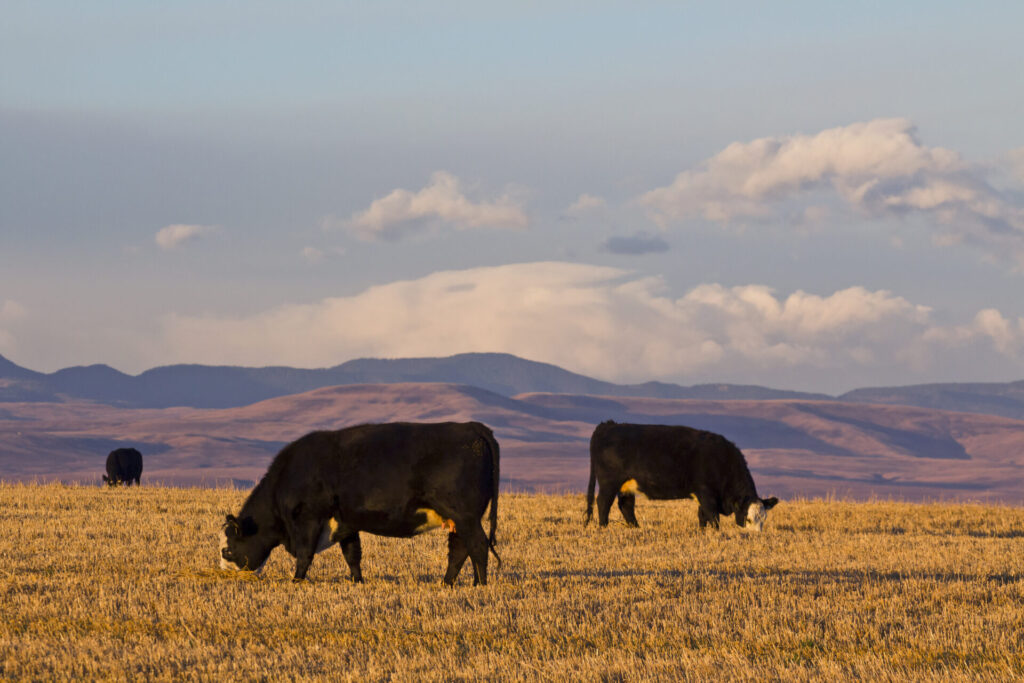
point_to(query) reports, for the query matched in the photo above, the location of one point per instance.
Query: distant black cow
(397, 479)
(124, 466)
(665, 462)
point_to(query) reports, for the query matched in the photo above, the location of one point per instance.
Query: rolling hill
(795, 447)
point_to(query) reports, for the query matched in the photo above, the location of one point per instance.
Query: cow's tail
(590, 494)
(594, 447)
(492, 443)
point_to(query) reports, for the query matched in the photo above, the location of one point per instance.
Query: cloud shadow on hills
(913, 443)
(875, 480)
(744, 431)
(99, 445)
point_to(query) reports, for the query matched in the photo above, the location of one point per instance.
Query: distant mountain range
(203, 386)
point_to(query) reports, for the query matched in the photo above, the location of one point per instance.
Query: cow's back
(124, 465)
(667, 461)
(384, 466)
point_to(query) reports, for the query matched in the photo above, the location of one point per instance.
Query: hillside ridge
(211, 386)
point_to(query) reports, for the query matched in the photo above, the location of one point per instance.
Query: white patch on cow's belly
(630, 487)
(756, 515)
(326, 539)
(433, 521)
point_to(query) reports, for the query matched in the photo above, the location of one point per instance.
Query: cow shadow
(995, 534)
(804, 577)
(611, 573)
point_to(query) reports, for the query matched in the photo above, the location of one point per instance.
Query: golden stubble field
(121, 584)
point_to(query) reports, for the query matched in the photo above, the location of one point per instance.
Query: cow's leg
(627, 505)
(707, 512)
(353, 551)
(476, 542)
(305, 535)
(457, 554)
(604, 503)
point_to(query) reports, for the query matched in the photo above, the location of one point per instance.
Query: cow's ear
(249, 526)
(769, 503)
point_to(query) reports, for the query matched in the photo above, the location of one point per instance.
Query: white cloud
(11, 312)
(1006, 334)
(443, 200)
(1015, 160)
(600, 321)
(877, 167)
(173, 236)
(585, 204)
(989, 325)
(314, 255)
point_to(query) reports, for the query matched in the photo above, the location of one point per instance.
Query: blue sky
(809, 195)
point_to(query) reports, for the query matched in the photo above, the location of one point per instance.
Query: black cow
(124, 465)
(397, 479)
(665, 462)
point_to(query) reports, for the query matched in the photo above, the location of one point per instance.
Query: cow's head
(242, 546)
(755, 513)
(109, 481)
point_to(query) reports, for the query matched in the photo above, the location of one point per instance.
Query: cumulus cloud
(443, 200)
(1002, 333)
(585, 204)
(1015, 161)
(636, 244)
(11, 312)
(878, 168)
(604, 322)
(173, 236)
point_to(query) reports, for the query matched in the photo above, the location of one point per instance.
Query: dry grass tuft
(100, 583)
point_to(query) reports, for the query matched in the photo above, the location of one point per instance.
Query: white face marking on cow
(756, 515)
(630, 487)
(224, 564)
(231, 566)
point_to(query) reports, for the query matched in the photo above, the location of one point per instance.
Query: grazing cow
(124, 465)
(397, 479)
(665, 462)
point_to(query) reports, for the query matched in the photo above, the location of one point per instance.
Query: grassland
(121, 584)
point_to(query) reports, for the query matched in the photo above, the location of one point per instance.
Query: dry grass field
(121, 584)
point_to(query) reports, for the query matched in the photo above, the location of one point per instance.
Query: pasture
(122, 584)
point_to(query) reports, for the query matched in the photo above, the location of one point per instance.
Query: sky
(805, 195)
